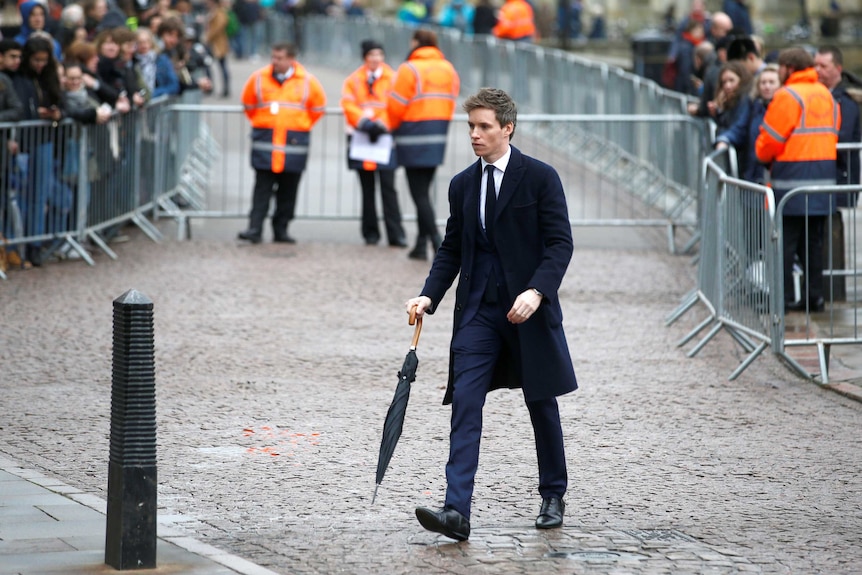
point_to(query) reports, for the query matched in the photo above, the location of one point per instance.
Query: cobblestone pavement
(276, 365)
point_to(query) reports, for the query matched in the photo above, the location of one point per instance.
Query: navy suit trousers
(476, 348)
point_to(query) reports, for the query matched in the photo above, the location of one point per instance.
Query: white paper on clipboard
(362, 149)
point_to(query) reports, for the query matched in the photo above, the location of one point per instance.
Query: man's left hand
(524, 307)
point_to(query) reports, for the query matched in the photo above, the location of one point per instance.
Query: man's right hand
(421, 303)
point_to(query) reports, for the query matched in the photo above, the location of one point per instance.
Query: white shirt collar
(502, 162)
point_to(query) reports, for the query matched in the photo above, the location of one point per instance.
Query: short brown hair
(795, 58)
(499, 102)
(288, 47)
(835, 51)
(425, 37)
(171, 24)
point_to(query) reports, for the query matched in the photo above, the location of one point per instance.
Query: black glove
(363, 125)
(375, 130)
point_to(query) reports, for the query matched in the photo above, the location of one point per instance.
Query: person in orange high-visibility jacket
(282, 101)
(421, 105)
(515, 21)
(798, 137)
(363, 99)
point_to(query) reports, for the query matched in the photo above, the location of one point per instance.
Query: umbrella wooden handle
(417, 320)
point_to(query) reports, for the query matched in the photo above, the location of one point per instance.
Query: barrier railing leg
(743, 340)
(671, 238)
(700, 345)
(81, 250)
(695, 331)
(751, 357)
(795, 365)
(149, 229)
(691, 243)
(688, 301)
(130, 539)
(97, 239)
(823, 350)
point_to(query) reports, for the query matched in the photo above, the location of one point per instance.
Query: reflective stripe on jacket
(515, 21)
(421, 106)
(281, 116)
(359, 100)
(799, 136)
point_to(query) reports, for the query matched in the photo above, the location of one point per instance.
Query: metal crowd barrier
(541, 80)
(607, 184)
(741, 271)
(838, 323)
(64, 183)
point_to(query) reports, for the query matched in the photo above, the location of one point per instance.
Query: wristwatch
(537, 292)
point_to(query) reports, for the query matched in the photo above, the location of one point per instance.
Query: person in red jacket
(283, 101)
(798, 137)
(363, 99)
(515, 21)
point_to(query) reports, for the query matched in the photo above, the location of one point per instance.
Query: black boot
(420, 252)
(34, 255)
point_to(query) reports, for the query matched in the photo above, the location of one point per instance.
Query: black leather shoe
(418, 253)
(285, 239)
(34, 255)
(551, 513)
(252, 236)
(399, 243)
(446, 521)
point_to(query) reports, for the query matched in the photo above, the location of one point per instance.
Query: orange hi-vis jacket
(515, 21)
(359, 100)
(282, 115)
(799, 135)
(421, 105)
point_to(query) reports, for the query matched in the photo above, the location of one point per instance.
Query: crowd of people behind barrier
(100, 62)
(88, 63)
(777, 111)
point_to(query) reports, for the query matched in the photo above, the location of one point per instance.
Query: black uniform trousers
(419, 180)
(284, 186)
(391, 211)
(804, 240)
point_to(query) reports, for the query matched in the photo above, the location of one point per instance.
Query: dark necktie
(490, 203)
(371, 79)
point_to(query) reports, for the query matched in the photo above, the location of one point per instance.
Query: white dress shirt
(499, 170)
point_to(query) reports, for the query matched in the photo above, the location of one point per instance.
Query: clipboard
(362, 149)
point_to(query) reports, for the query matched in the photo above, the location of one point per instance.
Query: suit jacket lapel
(471, 203)
(511, 179)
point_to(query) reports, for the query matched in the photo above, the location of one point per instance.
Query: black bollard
(130, 541)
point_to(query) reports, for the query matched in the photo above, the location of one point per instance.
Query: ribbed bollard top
(133, 395)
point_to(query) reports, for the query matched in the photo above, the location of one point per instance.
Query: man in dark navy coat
(509, 242)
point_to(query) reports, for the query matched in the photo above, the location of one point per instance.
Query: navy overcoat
(533, 238)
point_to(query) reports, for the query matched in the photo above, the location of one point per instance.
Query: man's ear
(508, 129)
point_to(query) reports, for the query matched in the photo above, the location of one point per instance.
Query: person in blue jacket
(457, 14)
(34, 18)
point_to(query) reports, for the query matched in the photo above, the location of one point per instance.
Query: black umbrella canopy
(394, 422)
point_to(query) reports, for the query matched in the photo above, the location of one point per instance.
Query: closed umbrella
(395, 416)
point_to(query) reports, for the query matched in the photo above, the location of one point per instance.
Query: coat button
(458, 307)
(466, 276)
